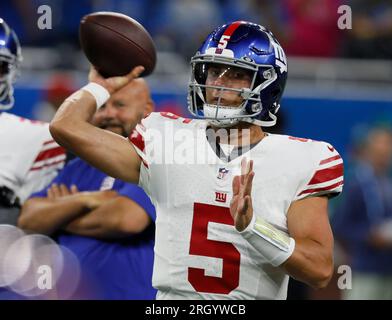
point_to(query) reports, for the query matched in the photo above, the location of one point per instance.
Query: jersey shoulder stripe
(326, 175)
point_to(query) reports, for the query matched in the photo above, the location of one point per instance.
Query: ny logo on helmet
(280, 57)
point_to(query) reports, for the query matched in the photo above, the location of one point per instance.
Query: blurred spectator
(65, 18)
(269, 13)
(105, 222)
(312, 28)
(305, 27)
(138, 10)
(59, 87)
(233, 10)
(363, 221)
(184, 23)
(371, 35)
(20, 15)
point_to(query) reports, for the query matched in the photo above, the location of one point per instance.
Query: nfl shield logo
(222, 173)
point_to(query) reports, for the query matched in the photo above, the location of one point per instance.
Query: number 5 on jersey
(200, 245)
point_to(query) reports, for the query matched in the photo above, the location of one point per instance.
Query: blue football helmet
(10, 58)
(245, 46)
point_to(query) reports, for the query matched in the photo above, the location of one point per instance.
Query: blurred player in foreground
(240, 219)
(107, 223)
(29, 157)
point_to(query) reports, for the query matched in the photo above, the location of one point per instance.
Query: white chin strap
(262, 123)
(227, 115)
(230, 115)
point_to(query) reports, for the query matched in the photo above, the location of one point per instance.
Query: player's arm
(312, 259)
(117, 218)
(306, 252)
(105, 150)
(46, 215)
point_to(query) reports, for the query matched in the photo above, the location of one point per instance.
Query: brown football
(115, 43)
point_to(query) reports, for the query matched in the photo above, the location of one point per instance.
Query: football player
(29, 157)
(236, 227)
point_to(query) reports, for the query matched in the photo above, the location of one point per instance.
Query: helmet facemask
(213, 106)
(8, 74)
(10, 58)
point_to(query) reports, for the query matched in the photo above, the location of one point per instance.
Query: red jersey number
(201, 246)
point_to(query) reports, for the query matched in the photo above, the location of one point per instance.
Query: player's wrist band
(100, 94)
(275, 245)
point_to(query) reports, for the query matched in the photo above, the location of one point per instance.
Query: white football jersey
(29, 157)
(198, 252)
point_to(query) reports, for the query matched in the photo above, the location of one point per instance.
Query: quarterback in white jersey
(238, 210)
(29, 157)
(198, 252)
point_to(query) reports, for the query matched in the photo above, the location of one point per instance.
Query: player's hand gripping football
(241, 208)
(114, 83)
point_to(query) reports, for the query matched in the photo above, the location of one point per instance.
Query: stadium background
(339, 81)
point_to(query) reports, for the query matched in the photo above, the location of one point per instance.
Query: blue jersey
(112, 269)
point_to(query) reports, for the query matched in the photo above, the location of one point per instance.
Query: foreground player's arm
(105, 150)
(306, 254)
(117, 218)
(312, 260)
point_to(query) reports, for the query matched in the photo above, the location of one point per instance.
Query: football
(115, 43)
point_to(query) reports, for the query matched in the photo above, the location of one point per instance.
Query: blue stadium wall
(330, 120)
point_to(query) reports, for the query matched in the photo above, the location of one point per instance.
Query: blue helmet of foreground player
(10, 58)
(253, 49)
